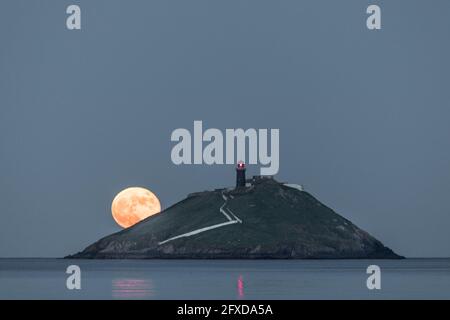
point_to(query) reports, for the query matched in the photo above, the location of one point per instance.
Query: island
(260, 218)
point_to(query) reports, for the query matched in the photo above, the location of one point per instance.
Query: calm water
(224, 279)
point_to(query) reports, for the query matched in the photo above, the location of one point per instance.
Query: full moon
(133, 205)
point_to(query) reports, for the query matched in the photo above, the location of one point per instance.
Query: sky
(363, 115)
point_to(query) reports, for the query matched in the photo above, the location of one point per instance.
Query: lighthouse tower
(240, 174)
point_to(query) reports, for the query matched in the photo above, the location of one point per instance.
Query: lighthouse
(240, 174)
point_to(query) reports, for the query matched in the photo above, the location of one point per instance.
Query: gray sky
(363, 116)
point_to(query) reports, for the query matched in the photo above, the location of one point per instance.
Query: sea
(224, 279)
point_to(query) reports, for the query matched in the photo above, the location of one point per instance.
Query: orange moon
(133, 205)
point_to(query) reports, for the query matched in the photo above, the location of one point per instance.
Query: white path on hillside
(234, 216)
(222, 210)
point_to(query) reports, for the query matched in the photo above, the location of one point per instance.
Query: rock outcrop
(266, 220)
